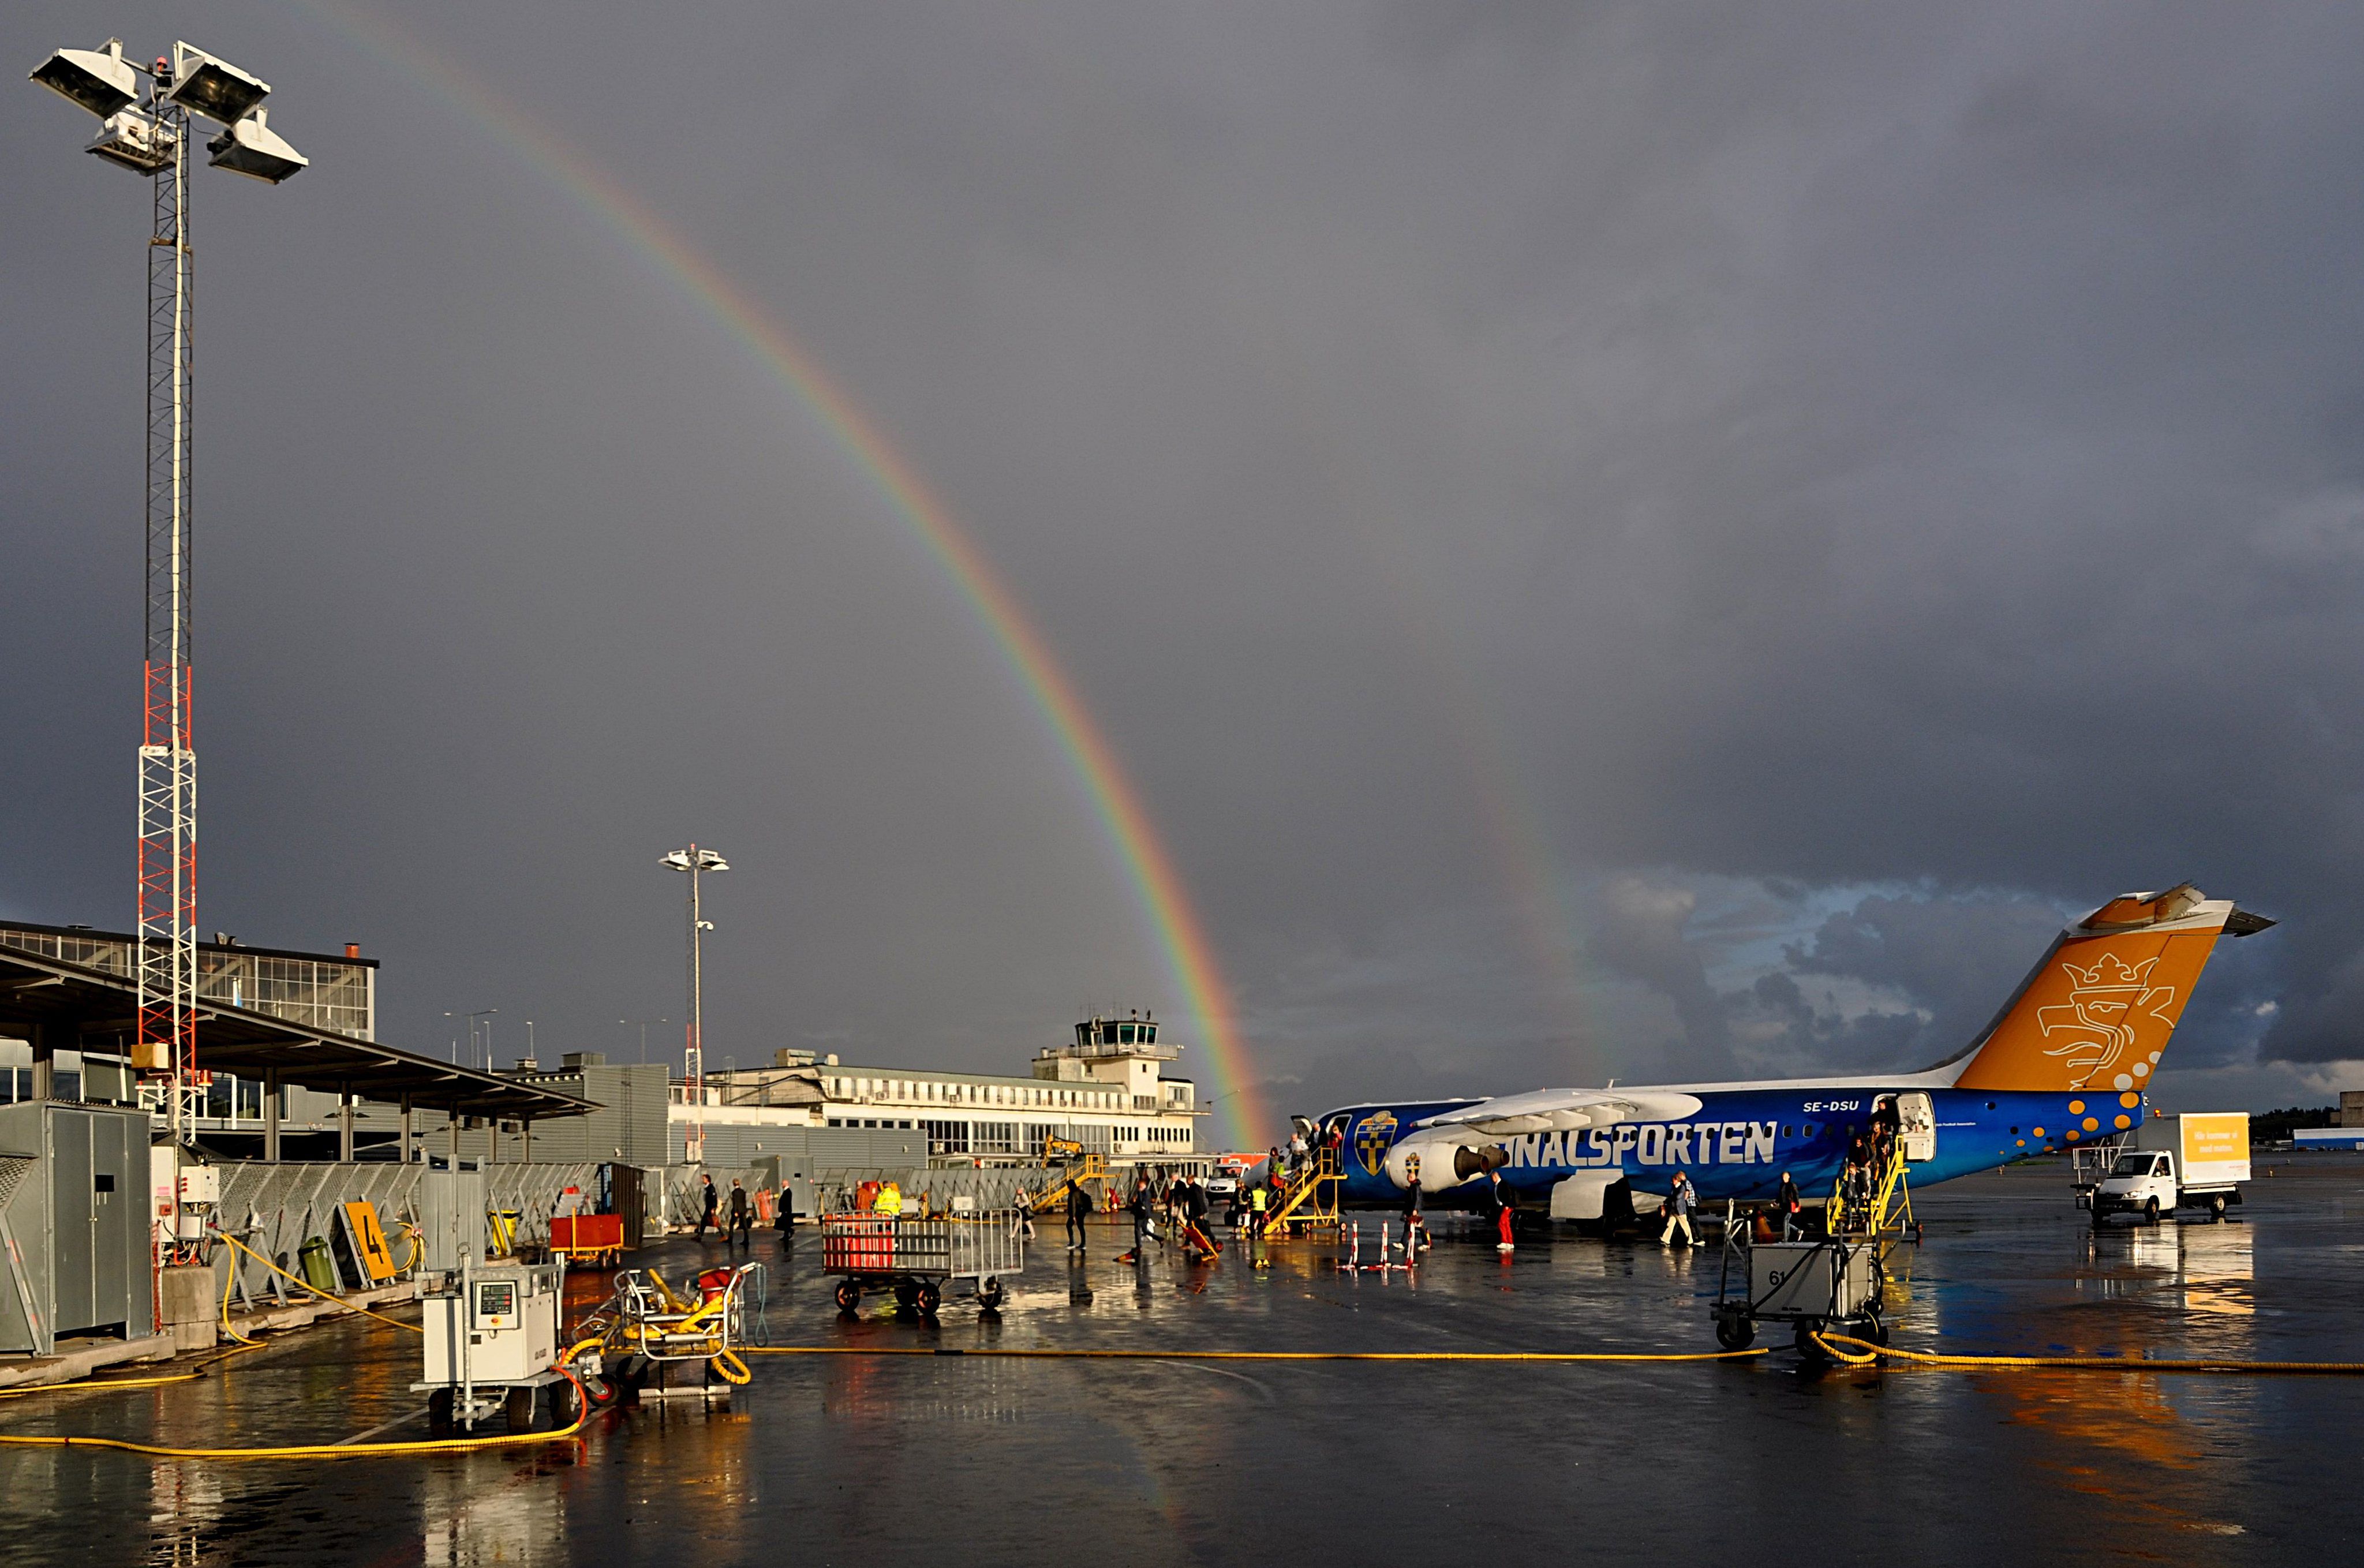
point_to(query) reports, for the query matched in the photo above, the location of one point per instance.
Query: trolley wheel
(439, 1412)
(520, 1408)
(990, 1295)
(602, 1392)
(2151, 1211)
(1809, 1350)
(2216, 1207)
(1874, 1328)
(1735, 1332)
(849, 1296)
(565, 1405)
(906, 1296)
(931, 1296)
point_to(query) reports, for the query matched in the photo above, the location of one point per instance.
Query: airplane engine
(1448, 1157)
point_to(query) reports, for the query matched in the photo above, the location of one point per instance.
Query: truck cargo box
(2213, 1149)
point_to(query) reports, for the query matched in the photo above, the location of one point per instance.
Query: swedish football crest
(1373, 1139)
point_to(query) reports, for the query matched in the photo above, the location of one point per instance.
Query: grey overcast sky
(1632, 539)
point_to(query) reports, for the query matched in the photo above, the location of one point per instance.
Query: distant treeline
(2275, 1127)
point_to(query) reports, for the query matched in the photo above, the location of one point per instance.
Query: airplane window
(1810, 1129)
(1990, 1104)
(1786, 1132)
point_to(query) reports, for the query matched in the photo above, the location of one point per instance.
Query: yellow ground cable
(229, 1282)
(2093, 1363)
(411, 1234)
(81, 1384)
(327, 1450)
(315, 1290)
(1251, 1356)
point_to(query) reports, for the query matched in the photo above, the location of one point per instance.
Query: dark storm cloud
(1880, 481)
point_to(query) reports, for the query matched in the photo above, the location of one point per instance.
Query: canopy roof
(78, 1007)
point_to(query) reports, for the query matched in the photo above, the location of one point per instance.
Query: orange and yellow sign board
(369, 1241)
(2213, 1136)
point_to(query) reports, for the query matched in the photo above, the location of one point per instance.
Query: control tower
(1124, 1052)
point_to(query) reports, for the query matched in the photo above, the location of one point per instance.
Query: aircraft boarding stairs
(1885, 1208)
(1310, 1198)
(1081, 1171)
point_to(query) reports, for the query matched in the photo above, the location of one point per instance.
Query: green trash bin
(314, 1264)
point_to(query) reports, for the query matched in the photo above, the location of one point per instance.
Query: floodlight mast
(167, 1041)
(149, 131)
(696, 862)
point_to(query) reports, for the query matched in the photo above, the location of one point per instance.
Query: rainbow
(1189, 955)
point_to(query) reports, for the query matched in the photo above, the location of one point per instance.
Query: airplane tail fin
(2095, 1015)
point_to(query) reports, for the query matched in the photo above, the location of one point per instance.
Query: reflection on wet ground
(986, 1461)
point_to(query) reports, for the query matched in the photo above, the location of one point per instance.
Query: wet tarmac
(840, 1460)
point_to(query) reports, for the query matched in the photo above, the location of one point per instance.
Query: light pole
(696, 862)
(643, 1023)
(471, 1018)
(147, 127)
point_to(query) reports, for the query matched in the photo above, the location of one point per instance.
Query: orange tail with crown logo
(2096, 1014)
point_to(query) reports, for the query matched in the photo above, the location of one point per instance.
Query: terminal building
(1106, 1090)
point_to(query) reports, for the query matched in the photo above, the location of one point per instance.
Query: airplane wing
(1566, 1110)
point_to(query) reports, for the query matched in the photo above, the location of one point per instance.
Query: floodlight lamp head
(252, 148)
(709, 861)
(136, 141)
(100, 79)
(679, 859)
(213, 87)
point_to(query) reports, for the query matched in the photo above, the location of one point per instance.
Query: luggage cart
(917, 1259)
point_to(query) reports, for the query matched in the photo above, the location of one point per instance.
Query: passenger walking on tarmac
(1196, 1205)
(1079, 1208)
(1680, 1204)
(707, 1215)
(1415, 1235)
(742, 1216)
(1138, 1207)
(1793, 1210)
(1259, 1206)
(785, 1219)
(1504, 1201)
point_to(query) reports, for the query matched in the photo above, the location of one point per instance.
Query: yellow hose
(1830, 1342)
(230, 1279)
(327, 1450)
(93, 1383)
(1252, 1355)
(315, 1290)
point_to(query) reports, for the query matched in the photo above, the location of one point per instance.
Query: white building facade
(1106, 1093)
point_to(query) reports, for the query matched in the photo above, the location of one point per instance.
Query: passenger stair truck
(2197, 1159)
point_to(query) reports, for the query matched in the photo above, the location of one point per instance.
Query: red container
(586, 1233)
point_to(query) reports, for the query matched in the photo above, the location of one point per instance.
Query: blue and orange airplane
(2066, 1060)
